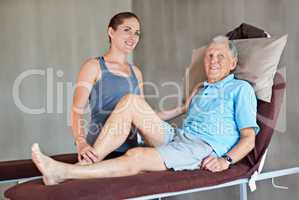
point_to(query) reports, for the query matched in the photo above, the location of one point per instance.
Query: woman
(103, 82)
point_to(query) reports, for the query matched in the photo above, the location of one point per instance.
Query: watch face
(228, 159)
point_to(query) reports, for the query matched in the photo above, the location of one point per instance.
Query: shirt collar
(220, 83)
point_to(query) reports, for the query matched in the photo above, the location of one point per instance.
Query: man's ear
(234, 64)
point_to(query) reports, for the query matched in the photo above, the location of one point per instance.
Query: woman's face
(126, 35)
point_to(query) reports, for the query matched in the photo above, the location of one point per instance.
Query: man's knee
(134, 157)
(136, 154)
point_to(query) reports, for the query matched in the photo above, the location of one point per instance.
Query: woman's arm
(88, 74)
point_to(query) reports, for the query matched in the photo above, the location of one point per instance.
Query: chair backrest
(267, 114)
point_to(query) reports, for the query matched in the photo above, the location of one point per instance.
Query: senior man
(219, 128)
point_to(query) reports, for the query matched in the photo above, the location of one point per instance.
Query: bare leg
(134, 161)
(131, 109)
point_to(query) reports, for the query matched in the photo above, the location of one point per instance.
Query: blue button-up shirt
(219, 111)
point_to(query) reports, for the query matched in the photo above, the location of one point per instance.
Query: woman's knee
(129, 97)
(129, 102)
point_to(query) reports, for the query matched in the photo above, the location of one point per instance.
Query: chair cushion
(125, 187)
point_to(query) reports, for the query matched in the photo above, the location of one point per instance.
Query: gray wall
(56, 34)
(172, 28)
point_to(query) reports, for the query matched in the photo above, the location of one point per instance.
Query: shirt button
(206, 93)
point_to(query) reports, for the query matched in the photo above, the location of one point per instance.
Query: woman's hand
(86, 152)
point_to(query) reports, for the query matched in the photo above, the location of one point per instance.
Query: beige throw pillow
(257, 63)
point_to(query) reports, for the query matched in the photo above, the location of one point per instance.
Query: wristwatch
(228, 159)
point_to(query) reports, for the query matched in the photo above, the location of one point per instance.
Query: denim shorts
(180, 152)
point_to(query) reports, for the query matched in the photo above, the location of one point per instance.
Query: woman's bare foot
(51, 170)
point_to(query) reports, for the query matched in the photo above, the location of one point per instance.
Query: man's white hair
(231, 46)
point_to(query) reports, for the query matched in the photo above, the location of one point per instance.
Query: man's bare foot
(49, 168)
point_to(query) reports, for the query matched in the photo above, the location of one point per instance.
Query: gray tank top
(104, 96)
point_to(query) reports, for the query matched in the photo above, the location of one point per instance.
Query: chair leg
(243, 191)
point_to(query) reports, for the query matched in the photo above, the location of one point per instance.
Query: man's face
(218, 61)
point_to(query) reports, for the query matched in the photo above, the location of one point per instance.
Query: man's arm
(244, 146)
(170, 114)
(173, 113)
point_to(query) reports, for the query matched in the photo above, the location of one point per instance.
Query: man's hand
(187, 103)
(86, 152)
(214, 164)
